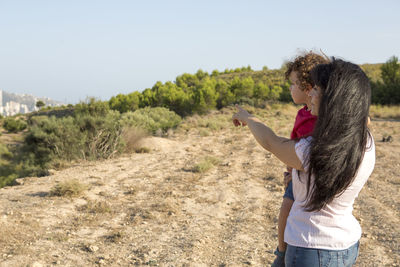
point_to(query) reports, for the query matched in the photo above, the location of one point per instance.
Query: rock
(93, 248)
(36, 264)
(388, 139)
(19, 181)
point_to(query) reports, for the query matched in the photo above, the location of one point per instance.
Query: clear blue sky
(69, 50)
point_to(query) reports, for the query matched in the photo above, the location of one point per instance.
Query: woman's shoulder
(302, 148)
(304, 142)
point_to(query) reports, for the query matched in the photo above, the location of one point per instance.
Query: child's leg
(287, 203)
(283, 214)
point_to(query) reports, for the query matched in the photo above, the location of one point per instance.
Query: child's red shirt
(304, 124)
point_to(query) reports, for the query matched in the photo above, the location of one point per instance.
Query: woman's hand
(241, 117)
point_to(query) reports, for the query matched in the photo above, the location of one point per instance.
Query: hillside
(163, 208)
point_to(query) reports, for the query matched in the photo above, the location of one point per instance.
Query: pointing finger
(239, 108)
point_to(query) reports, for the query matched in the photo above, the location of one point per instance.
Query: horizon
(70, 51)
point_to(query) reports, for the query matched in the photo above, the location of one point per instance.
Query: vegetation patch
(68, 188)
(151, 119)
(385, 112)
(14, 125)
(206, 164)
(131, 138)
(96, 207)
(115, 236)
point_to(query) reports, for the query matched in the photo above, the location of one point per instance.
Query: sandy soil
(153, 209)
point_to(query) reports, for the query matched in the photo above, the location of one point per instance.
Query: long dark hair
(340, 134)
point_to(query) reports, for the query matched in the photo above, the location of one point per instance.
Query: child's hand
(240, 118)
(287, 177)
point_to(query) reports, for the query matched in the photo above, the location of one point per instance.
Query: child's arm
(282, 148)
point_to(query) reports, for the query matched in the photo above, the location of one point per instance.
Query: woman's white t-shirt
(334, 227)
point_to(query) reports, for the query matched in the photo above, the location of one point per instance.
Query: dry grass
(132, 137)
(385, 112)
(96, 207)
(115, 236)
(206, 164)
(68, 188)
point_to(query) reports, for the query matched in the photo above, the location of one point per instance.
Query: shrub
(95, 207)
(68, 188)
(206, 164)
(131, 138)
(102, 135)
(7, 180)
(50, 137)
(92, 107)
(5, 154)
(7, 175)
(82, 137)
(151, 119)
(14, 125)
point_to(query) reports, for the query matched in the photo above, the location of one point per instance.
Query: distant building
(12, 104)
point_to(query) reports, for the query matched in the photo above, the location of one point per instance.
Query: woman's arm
(282, 148)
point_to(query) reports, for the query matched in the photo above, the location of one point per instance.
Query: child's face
(299, 96)
(315, 95)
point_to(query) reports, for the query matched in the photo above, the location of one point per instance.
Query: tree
(261, 91)
(242, 88)
(225, 96)
(387, 92)
(147, 98)
(171, 96)
(204, 96)
(390, 71)
(40, 104)
(201, 74)
(124, 103)
(187, 81)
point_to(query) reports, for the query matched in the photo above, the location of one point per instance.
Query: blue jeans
(289, 191)
(308, 257)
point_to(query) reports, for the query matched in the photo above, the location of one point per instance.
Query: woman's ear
(308, 89)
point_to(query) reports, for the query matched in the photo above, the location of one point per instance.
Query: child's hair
(303, 64)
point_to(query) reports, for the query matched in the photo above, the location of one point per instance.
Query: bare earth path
(153, 209)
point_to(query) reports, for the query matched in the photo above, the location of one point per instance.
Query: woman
(331, 167)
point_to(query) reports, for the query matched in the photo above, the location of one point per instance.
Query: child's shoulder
(304, 112)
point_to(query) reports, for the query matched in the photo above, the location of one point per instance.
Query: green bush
(7, 175)
(68, 188)
(5, 154)
(151, 119)
(206, 164)
(14, 125)
(68, 138)
(102, 135)
(92, 107)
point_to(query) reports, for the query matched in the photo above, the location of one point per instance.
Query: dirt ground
(155, 209)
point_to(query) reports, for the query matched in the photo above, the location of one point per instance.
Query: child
(298, 73)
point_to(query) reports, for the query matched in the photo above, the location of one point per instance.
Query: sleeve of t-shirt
(302, 149)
